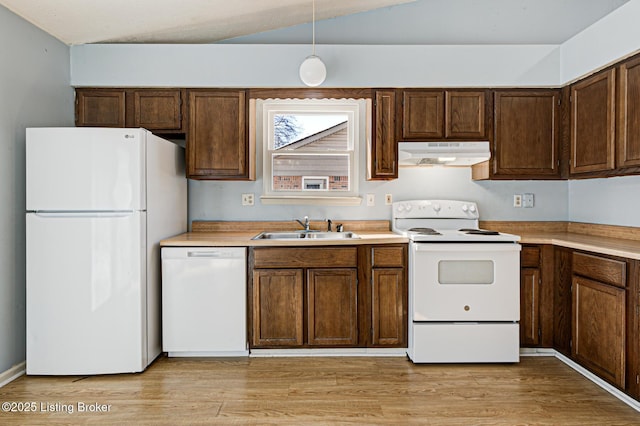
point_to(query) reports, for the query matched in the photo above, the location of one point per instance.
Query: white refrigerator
(98, 203)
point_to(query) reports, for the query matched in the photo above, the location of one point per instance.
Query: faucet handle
(339, 227)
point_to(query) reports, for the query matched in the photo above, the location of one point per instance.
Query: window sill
(311, 200)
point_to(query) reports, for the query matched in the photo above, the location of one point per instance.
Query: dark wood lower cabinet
(277, 307)
(389, 319)
(562, 301)
(332, 307)
(346, 296)
(529, 307)
(599, 328)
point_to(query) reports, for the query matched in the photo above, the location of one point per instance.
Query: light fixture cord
(313, 27)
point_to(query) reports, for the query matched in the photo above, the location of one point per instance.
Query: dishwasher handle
(203, 253)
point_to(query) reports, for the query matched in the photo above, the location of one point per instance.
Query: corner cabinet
(158, 110)
(593, 115)
(628, 110)
(383, 153)
(526, 139)
(218, 144)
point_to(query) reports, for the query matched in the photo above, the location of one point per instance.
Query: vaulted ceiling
(287, 21)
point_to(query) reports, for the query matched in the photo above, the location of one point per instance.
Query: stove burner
(478, 232)
(425, 231)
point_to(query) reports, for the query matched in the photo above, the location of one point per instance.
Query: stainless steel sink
(305, 235)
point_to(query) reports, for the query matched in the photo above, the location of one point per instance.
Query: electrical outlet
(388, 199)
(371, 200)
(517, 200)
(527, 200)
(247, 199)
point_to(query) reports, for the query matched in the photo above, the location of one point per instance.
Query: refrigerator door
(86, 283)
(85, 169)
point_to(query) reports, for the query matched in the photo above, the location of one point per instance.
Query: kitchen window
(310, 149)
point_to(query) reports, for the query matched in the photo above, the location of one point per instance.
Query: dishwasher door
(204, 294)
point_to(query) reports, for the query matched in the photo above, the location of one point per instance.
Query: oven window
(465, 272)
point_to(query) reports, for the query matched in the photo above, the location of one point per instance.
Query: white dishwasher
(204, 298)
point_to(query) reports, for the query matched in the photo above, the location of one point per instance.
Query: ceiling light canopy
(312, 70)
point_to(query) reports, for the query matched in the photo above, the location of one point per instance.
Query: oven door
(465, 281)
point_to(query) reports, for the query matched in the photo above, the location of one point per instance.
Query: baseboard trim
(537, 352)
(329, 352)
(13, 373)
(598, 381)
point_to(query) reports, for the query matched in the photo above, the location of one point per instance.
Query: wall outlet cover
(247, 199)
(371, 200)
(517, 200)
(388, 199)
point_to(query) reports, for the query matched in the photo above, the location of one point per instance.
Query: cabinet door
(526, 134)
(277, 307)
(217, 141)
(465, 115)
(332, 314)
(562, 300)
(384, 150)
(389, 315)
(422, 114)
(593, 123)
(628, 130)
(100, 107)
(530, 307)
(157, 109)
(599, 328)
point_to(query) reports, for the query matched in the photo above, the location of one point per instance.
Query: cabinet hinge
(559, 102)
(539, 332)
(637, 379)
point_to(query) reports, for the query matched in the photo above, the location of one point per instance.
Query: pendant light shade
(312, 70)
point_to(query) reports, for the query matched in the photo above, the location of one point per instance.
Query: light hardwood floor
(327, 390)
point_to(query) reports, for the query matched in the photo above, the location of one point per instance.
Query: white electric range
(464, 284)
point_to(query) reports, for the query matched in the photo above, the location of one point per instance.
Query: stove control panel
(427, 209)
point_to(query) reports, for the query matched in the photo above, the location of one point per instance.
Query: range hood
(442, 153)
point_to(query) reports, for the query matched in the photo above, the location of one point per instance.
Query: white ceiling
(342, 21)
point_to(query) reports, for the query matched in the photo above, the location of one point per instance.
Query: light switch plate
(527, 200)
(388, 199)
(371, 200)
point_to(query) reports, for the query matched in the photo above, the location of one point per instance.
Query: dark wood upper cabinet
(384, 148)
(465, 114)
(429, 114)
(218, 140)
(628, 128)
(593, 111)
(526, 139)
(100, 108)
(157, 109)
(422, 114)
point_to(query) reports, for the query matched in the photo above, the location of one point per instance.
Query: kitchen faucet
(304, 224)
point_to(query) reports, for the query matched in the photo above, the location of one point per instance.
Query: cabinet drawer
(317, 257)
(388, 257)
(530, 257)
(602, 269)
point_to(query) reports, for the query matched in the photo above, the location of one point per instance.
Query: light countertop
(243, 239)
(597, 244)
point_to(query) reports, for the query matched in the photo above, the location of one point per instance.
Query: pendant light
(312, 70)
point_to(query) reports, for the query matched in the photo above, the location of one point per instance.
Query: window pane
(310, 172)
(310, 132)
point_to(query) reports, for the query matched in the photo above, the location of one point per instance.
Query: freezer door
(86, 286)
(85, 169)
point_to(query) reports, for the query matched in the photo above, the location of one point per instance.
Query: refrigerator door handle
(121, 213)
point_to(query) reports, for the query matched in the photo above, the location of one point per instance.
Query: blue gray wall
(34, 91)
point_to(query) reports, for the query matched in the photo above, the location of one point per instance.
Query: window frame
(356, 111)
